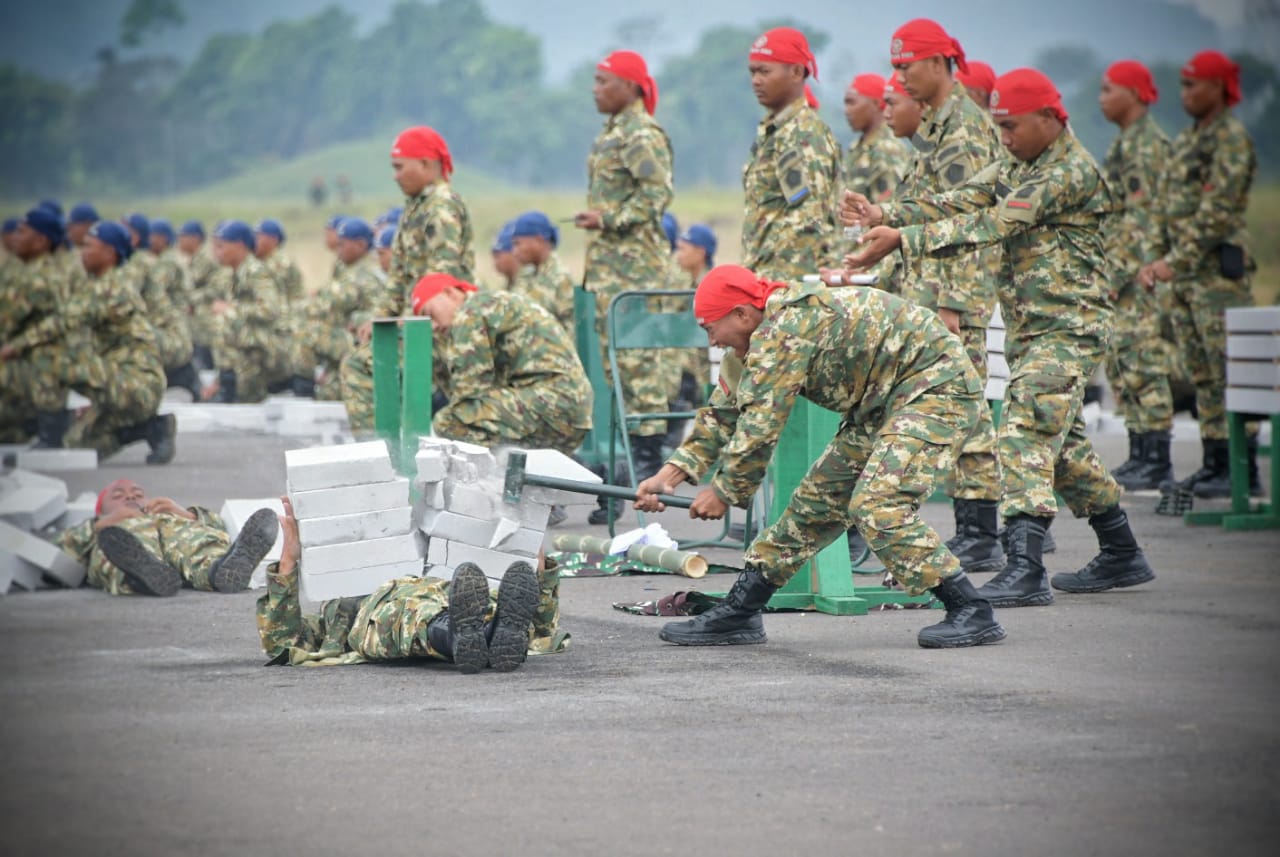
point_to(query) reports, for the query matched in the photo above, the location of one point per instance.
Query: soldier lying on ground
(144, 545)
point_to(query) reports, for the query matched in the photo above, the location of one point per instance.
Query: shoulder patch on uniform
(795, 187)
(1022, 205)
(639, 160)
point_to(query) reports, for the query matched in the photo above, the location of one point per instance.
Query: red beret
(421, 142)
(727, 286)
(1211, 65)
(1132, 74)
(810, 98)
(629, 65)
(784, 45)
(433, 284)
(979, 75)
(1025, 90)
(870, 85)
(922, 38)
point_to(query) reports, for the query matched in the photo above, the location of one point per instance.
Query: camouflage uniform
(1054, 297)
(1137, 363)
(434, 237)
(876, 164)
(514, 377)
(629, 182)
(254, 336)
(288, 277)
(908, 396)
(163, 286)
(209, 282)
(550, 286)
(1202, 207)
(191, 547)
(332, 316)
(35, 319)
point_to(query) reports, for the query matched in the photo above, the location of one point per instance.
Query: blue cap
(11, 225)
(110, 232)
(52, 205)
(699, 234)
(43, 220)
(141, 225)
(192, 227)
(271, 226)
(536, 224)
(670, 226)
(386, 236)
(237, 231)
(163, 228)
(83, 213)
(335, 221)
(502, 241)
(355, 229)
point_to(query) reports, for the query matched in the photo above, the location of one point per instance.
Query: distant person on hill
(317, 191)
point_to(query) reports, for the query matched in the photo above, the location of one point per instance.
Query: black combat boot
(162, 437)
(508, 631)
(1119, 562)
(977, 541)
(1154, 469)
(231, 571)
(646, 455)
(184, 377)
(1217, 483)
(303, 387)
(133, 434)
(226, 387)
(1023, 583)
(1136, 453)
(202, 357)
(458, 631)
(143, 571)
(1209, 452)
(970, 620)
(734, 621)
(1047, 546)
(51, 428)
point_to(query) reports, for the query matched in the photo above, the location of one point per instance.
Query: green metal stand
(594, 451)
(1244, 514)
(402, 399)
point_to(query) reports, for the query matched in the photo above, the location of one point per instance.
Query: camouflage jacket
(112, 308)
(1048, 215)
(201, 268)
(550, 286)
(11, 295)
(163, 286)
(351, 297)
(790, 183)
(79, 541)
(257, 318)
(876, 164)
(1135, 161)
(38, 311)
(288, 277)
(434, 237)
(1205, 194)
(629, 182)
(860, 352)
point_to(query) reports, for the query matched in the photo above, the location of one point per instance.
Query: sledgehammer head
(513, 484)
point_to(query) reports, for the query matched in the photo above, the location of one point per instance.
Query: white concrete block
(549, 462)
(997, 366)
(531, 515)
(524, 542)
(208, 417)
(318, 467)
(472, 500)
(430, 441)
(437, 550)
(441, 525)
(1253, 373)
(503, 529)
(31, 501)
(1253, 346)
(78, 511)
(355, 582)
(235, 512)
(48, 558)
(1253, 401)
(49, 460)
(1263, 318)
(995, 340)
(362, 526)
(328, 502)
(494, 564)
(432, 465)
(441, 571)
(328, 559)
(16, 572)
(432, 496)
(471, 463)
(995, 389)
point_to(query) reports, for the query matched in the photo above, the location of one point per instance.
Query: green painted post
(386, 384)
(595, 447)
(1244, 514)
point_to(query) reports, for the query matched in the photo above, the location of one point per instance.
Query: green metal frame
(1245, 514)
(402, 399)
(594, 451)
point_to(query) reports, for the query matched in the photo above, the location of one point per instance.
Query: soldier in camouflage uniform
(878, 161)
(628, 190)
(1137, 363)
(908, 396)
(405, 618)
(502, 252)
(208, 281)
(252, 348)
(167, 294)
(1047, 208)
(1205, 255)
(269, 237)
(140, 545)
(514, 376)
(543, 278)
(433, 236)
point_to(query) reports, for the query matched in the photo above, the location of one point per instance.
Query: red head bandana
(979, 76)
(629, 65)
(870, 85)
(102, 497)
(922, 38)
(1025, 90)
(728, 286)
(1132, 74)
(784, 45)
(423, 143)
(1211, 65)
(810, 98)
(433, 284)
(893, 86)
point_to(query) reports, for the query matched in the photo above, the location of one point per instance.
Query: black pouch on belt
(1231, 261)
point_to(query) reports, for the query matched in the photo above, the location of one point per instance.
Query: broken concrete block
(235, 512)
(524, 542)
(48, 558)
(433, 495)
(78, 511)
(550, 462)
(432, 465)
(30, 501)
(502, 530)
(319, 467)
(470, 463)
(454, 527)
(494, 564)
(330, 502)
(469, 499)
(355, 582)
(17, 572)
(529, 514)
(50, 460)
(438, 550)
(327, 559)
(361, 526)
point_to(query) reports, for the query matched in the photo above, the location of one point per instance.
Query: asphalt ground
(1135, 722)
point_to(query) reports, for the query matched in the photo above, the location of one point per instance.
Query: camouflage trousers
(35, 380)
(977, 471)
(323, 348)
(1042, 441)
(646, 378)
(1197, 314)
(538, 416)
(191, 547)
(356, 382)
(256, 370)
(134, 384)
(173, 342)
(876, 479)
(1137, 363)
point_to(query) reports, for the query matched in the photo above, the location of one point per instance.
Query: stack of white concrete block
(30, 502)
(1253, 360)
(355, 520)
(462, 512)
(997, 365)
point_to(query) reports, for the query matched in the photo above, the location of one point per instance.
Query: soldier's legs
(977, 471)
(105, 575)
(121, 407)
(1080, 477)
(1039, 411)
(643, 388)
(546, 637)
(357, 388)
(1205, 344)
(192, 548)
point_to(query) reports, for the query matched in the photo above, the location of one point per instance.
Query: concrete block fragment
(527, 513)
(470, 499)
(328, 502)
(432, 465)
(523, 542)
(442, 525)
(78, 511)
(361, 526)
(327, 559)
(470, 463)
(355, 582)
(502, 530)
(493, 563)
(437, 550)
(17, 573)
(47, 558)
(31, 501)
(317, 467)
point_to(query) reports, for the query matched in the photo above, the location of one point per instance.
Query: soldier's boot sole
(517, 603)
(726, 638)
(468, 604)
(928, 638)
(144, 571)
(1038, 599)
(1072, 582)
(233, 571)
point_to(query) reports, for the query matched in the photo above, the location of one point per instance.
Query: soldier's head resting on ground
(533, 237)
(924, 57)
(82, 216)
(118, 495)
(268, 235)
(236, 243)
(107, 245)
(354, 239)
(162, 236)
(420, 159)
(439, 297)
(729, 305)
(780, 62)
(621, 78)
(902, 112)
(1126, 91)
(1028, 108)
(1210, 84)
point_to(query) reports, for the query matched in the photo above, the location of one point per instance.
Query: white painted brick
(470, 463)
(524, 542)
(328, 559)
(1255, 401)
(361, 526)
(78, 511)
(997, 366)
(442, 525)
(16, 572)
(328, 502)
(432, 465)
(46, 557)
(318, 467)
(995, 340)
(474, 500)
(1253, 346)
(494, 564)
(31, 501)
(437, 550)
(1264, 318)
(50, 460)
(433, 495)
(995, 389)
(355, 582)
(1253, 373)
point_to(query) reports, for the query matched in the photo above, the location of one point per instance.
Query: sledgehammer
(516, 480)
